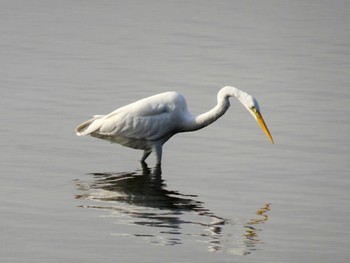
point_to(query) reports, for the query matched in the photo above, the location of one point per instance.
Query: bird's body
(148, 123)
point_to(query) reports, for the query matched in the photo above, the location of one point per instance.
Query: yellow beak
(262, 123)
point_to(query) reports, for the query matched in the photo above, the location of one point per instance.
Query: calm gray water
(225, 194)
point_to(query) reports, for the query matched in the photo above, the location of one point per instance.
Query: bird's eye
(253, 109)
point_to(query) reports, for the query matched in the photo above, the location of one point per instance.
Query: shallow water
(224, 193)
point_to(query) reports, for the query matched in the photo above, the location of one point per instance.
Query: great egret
(148, 123)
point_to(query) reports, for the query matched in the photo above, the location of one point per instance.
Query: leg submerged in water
(146, 153)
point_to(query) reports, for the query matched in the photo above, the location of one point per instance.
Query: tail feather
(86, 127)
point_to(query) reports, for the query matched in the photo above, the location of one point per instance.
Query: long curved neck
(215, 113)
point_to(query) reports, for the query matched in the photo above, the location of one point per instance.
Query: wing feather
(149, 119)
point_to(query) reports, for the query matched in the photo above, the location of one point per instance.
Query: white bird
(148, 123)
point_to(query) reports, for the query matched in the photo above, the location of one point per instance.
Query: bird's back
(149, 119)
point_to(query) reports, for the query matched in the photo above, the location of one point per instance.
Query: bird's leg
(145, 169)
(158, 151)
(146, 153)
(157, 171)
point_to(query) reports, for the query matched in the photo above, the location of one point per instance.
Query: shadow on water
(141, 203)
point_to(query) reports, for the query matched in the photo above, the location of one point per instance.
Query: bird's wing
(150, 119)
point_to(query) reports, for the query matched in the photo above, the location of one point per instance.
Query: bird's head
(252, 105)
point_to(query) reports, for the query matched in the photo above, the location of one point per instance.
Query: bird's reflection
(141, 203)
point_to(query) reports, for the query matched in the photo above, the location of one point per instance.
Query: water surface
(225, 194)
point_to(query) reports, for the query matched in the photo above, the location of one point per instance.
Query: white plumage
(148, 123)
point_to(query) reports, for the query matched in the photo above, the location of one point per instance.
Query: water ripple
(140, 202)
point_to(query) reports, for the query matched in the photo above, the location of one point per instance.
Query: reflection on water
(141, 203)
